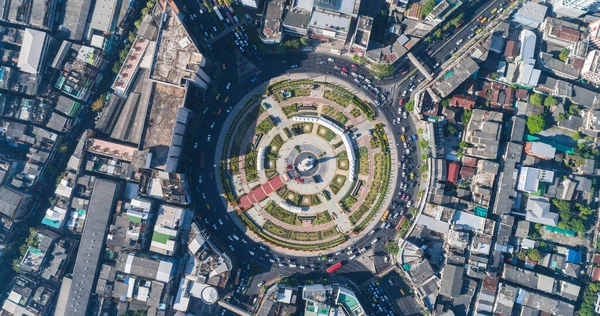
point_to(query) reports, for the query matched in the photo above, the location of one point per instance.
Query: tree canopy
(550, 101)
(427, 8)
(410, 105)
(382, 70)
(564, 54)
(392, 247)
(536, 99)
(536, 123)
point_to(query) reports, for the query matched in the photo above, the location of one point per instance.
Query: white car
(260, 284)
(195, 145)
(208, 138)
(459, 41)
(228, 85)
(215, 28)
(204, 195)
(399, 111)
(200, 180)
(212, 125)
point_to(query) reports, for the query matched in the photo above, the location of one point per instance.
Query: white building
(530, 178)
(572, 8)
(32, 51)
(250, 3)
(171, 221)
(591, 67)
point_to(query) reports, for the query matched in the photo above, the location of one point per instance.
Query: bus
(218, 13)
(334, 267)
(385, 215)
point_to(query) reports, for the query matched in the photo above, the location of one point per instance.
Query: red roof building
(522, 94)
(467, 172)
(453, 172)
(512, 49)
(510, 97)
(596, 274)
(597, 258)
(464, 101)
(469, 161)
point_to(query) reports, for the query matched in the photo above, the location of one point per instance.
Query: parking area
(400, 294)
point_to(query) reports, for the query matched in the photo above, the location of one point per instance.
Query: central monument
(306, 164)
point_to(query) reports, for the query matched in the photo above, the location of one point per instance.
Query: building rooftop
(531, 14)
(343, 6)
(32, 49)
(90, 247)
(455, 77)
(157, 270)
(130, 66)
(170, 222)
(76, 17)
(452, 280)
(272, 21)
(176, 57)
(103, 15)
(363, 31)
(330, 20)
(483, 132)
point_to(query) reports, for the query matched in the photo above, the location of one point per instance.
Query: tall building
(572, 8)
(591, 67)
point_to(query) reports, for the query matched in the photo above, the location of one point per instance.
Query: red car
(354, 66)
(344, 69)
(401, 102)
(404, 72)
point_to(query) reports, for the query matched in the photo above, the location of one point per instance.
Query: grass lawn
(285, 216)
(304, 236)
(329, 232)
(309, 200)
(265, 126)
(363, 162)
(336, 115)
(275, 145)
(358, 214)
(326, 133)
(336, 97)
(300, 92)
(276, 230)
(302, 128)
(322, 218)
(289, 109)
(250, 167)
(347, 202)
(355, 112)
(338, 183)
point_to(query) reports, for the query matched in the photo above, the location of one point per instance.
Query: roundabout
(305, 166)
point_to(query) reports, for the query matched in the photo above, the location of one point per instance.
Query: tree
(536, 99)
(423, 144)
(562, 117)
(550, 101)
(564, 54)
(574, 109)
(427, 8)
(536, 123)
(381, 70)
(304, 40)
(466, 117)
(463, 145)
(392, 247)
(445, 103)
(576, 136)
(428, 39)
(534, 254)
(410, 106)
(450, 130)
(494, 76)
(98, 104)
(437, 33)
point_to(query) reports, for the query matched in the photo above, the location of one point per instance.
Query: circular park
(306, 165)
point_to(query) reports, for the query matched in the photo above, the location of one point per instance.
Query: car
(204, 195)
(412, 88)
(254, 80)
(429, 52)
(436, 65)
(374, 241)
(218, 96)
(200, 180)
(231, 248)
(404, 93)
(195, 145)
(226, 99)
(404, 72)
(471, 35)
(330, 59)
(229, 109)
(394, 122)
(414, 137)
(337, 67)
(459, 41)
(344, 69)
(260, 284)
(322, 62)
(228, 85)
(212, 125)
(283, 264)
(272, 260)
(354, 66)
(293, 66)
(208, 138)
(402, 138)
(220, 222)
(483, 20)
(224, 66)
(403, 129)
